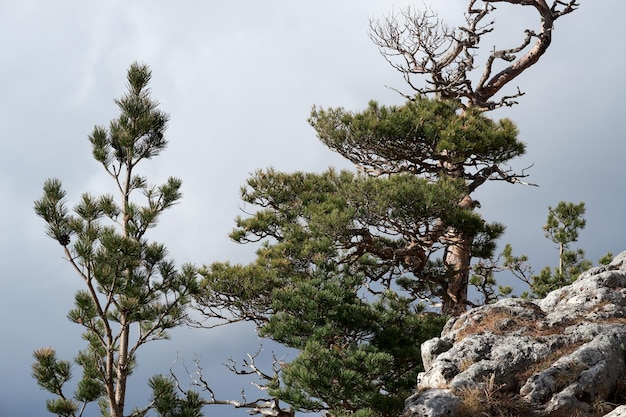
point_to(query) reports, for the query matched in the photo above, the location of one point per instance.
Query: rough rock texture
(562, 356)
(618, 412)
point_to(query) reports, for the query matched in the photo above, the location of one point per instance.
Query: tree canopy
(349, 262)
(315, 286)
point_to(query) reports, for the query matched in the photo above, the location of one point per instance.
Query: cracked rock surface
(563, 355)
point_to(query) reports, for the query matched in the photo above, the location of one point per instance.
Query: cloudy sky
(239, 79)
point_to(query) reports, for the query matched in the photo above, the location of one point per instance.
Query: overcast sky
(238, 79)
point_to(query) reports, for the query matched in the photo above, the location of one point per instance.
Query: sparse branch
(212, 313)
(94, 296)
(497, 173)
(262, 406)
(253, 369)
(156, 330)
(221, 308)
(486, 269)
(504, 54)
(422, 45)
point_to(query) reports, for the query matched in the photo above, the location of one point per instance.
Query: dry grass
(487, 399)
(501, 322)
(601, 407)
(465, 364)
(491, 400)
(611, 320)
(497, 322)
(568, 374)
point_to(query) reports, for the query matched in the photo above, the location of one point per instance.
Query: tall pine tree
(132, 292)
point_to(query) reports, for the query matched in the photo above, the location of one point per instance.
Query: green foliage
(169, 403)
(606, 259)
(325, 282)
(130, 284)
(562, 227)
(564, 223)
(50, 372)
(380, 227)
(354, 354)
(485, 282)
(422, 137)
(345, 260)
(434, 140)
(484, 274)
(62, 407)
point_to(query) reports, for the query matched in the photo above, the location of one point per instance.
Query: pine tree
(436, 140)
(133, 293)
(324, 282)
(563, 225)
(345, 259)
(444, 60)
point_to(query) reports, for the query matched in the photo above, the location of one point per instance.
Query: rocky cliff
(564, 355)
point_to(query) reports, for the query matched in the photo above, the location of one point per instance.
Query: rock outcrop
(562, 356)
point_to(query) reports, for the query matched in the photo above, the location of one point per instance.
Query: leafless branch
(419, 43)
(497, 173)
(262, 406)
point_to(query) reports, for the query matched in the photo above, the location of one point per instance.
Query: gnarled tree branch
(263, 406)
(425, 46)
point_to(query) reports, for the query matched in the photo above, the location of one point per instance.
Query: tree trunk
(561, 250)
(458, 254)
(122, 371)
(457, 257)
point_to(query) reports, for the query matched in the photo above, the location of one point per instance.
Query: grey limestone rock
(440, 402)
(564, 355)
(618, 412)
